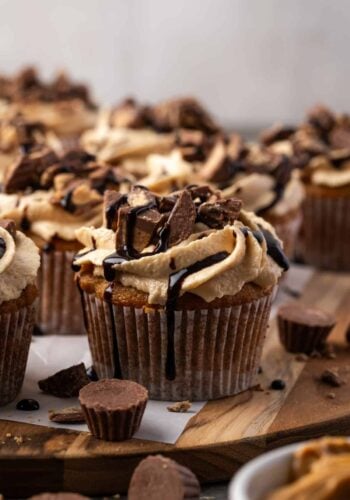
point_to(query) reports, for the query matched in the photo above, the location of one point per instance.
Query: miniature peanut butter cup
(303, 329)
(157, 477)
(113, 408)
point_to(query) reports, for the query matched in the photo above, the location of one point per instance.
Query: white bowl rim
(238, 488)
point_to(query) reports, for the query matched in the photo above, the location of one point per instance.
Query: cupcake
(19, 263)
(177, 291)
(113, 409)
(50, 197)
(62, 106)
(320, 147)
(130, 132)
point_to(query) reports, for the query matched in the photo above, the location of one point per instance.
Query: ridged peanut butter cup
(303, 329)
(113, 408)
(157, 478)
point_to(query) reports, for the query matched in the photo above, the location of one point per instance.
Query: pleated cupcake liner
(116, 425)
(217, 351)
(16, 332)
(300, 338)
(59, 308)
(325, 240)
(288, 232)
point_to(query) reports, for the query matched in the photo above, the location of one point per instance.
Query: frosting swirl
(19, 262)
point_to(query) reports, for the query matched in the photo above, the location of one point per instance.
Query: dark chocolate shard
(122, 229)
(72, 415)
(65, 383)
(146, 226)
(113, 200)
(276, 133)
(9, 225)
(339, 137)
(332, 378)
(181, 219)
(220, 213)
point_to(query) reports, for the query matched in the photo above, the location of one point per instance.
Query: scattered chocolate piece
(157, 477)
(303, 329)
(9, 225)
(65, 383)
(331, 377)
(113, 408)
(331, 395)
(180, 407)
(67, 415)
(278, 384)
(27, 405)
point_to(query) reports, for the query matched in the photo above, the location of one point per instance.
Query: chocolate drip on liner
(174, 287)
(2, 248)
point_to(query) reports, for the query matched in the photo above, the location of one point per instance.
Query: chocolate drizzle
(174, 287)
(2, 248)
(274, 250)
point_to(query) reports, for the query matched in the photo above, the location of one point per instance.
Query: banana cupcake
(64, 107)
(131, 131)
(177, 291)
(320, 147)
(19, 263)
(50, 197)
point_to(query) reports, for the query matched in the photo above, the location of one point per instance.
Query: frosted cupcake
(49, 198)
(177, 291)
(320, 147)
(62, 106)
(19, 263)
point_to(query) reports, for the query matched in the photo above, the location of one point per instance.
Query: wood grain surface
(221, 437)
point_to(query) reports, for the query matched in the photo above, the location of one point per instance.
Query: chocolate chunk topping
(65, 383)
(182, 219)
(276, 133)
(332, 378)
(339, 137)
(219, 213)
(194, 145)
(321, 118)
(9, 225)
(72, 415)
(130, 114)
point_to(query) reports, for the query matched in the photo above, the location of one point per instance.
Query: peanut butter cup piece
(113, 408)
(157, 478)
(303, 329)
(65, 383)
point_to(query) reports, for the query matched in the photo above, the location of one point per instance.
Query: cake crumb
(18, 440)
(331, 395)
(180, 407)
(8, 435)
(301, 357)
(331, 377)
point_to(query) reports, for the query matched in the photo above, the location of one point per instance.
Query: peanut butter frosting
(192, 240)
(50, 196)
(19, 261)
(61, 105)
(320, 147)
(320, 471)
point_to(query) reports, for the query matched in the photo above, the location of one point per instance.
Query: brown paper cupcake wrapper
(15, 336)
(114, 425)
(288, 232)
(325, 241)
(59, 309)
(302, 338)
(217, 351)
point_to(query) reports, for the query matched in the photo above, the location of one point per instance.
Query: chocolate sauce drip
(77, 256)
(257, 234)
(2, 248)
(108, 264)
(67, 202)
(174, 287)
(274, 250)
(112, 210)
(282, 177)
(128, 250)
(25, 222)
(108, 293)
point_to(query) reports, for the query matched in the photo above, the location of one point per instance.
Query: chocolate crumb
(331, 377)
(65, 383)
(67, 415)
(278, 384)
(258, 388)
(180, 407)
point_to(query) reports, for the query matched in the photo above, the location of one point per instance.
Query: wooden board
(216, 441)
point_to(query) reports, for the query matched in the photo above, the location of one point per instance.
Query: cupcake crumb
(301, 357)
(331, 395)
(180, 407)
(331, 377)
(8, 435)
(258, 388)
(18, 440)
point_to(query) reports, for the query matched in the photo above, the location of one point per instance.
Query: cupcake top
(50, 196)
(132, 129)
(192, 241)
(63, 106)
(320, 147)
(19, 261)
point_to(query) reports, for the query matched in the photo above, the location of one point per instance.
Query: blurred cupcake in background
(320, 147)
(130, 132)
(50, 197)
(19, 263)
(177, 291)
(64, 107)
